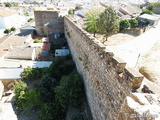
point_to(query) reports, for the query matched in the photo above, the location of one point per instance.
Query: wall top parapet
(110, 57)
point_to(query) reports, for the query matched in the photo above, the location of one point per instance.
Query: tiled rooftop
(20, 53)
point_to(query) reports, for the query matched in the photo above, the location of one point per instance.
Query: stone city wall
(48, 22)
(107, 79)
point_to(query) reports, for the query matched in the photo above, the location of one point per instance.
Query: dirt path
(139, 46)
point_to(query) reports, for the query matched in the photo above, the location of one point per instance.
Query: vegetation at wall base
(53, 93)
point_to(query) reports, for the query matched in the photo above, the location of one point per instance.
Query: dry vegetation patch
(115, 39)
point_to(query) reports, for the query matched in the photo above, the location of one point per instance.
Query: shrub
(30, 19)
(70, 12)
(77, 117)
(152, 5)
(26, 14)
(37, 41)
(7, 31)
(133, 22)
(32, 73)
(8, 4)
(13, 29)
(20, 89)
(33, 101)
(52, 111)
(146, 12)
(124, 24)
(71, 87)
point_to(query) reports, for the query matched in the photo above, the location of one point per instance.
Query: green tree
(91, 20)
(124, 24)
(20, 88)
(146, 12)
(152, 5)
(8, 4)
(32, 73)
(133, 22)
(7, 31)
(61, 67)
(70, 12)
(13, 28)
(52, 111)
(70, 91)
(108, 22)
(33, 100)
(77, 117)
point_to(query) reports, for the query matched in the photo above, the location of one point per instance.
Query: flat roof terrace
(13, 40)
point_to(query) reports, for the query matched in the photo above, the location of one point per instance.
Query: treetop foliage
(146, 12)
(91, 19)
(151, 6)
(51, 96)
(13, 28)
(7, 31)
(108, 22)
(124, 24)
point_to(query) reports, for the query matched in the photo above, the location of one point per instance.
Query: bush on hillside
(124, 24)
(133, 23)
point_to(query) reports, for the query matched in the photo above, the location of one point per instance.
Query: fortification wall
(107, 79)
(48, 22)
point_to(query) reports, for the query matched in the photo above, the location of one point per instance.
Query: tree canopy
(133, 22)
(152, 5)
(91, 20)
(13, 28)
(8, 4)
(146, 12)
(124, 24)
(53, 93)
(70, 12)
(108, 22)
(7, 31)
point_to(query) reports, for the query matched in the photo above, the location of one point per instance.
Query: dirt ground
(116, 39)
(140, 52)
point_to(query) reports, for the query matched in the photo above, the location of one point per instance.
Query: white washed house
(10, 19)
